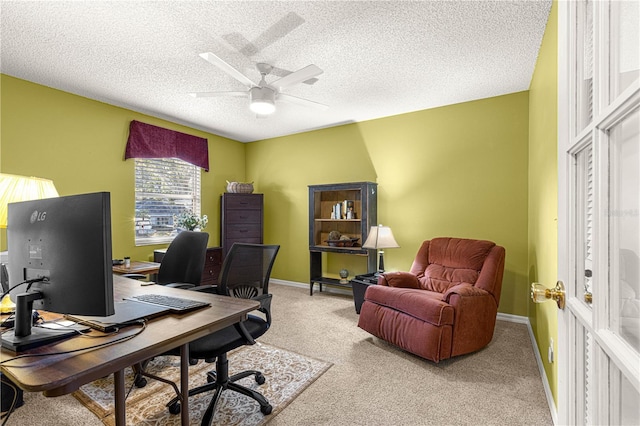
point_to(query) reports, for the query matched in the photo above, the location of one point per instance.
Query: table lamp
(15, 188)
(380, 237)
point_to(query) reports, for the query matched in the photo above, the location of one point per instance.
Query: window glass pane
(624, 222)
(624, 50)
(165, 187)
(584, 65)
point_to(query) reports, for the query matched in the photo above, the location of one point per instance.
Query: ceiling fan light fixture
(262, 100)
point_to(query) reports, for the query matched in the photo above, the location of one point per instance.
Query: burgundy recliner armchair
(445, 306)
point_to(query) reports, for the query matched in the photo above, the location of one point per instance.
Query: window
(165, 187)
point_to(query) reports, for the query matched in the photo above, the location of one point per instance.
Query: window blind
(164, 188)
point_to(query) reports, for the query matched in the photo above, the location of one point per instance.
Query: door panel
(599, 212)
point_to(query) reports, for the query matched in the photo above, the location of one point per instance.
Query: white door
(599, 211)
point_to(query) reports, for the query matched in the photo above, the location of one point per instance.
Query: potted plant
(190, 221)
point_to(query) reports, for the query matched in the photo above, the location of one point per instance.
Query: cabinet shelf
(329, 207)
(330, 281)
(347, 250)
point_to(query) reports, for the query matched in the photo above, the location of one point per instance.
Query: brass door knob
(539, 293)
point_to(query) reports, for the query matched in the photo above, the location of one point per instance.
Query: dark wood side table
(359, 285)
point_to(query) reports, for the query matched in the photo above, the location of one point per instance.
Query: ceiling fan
(263, 95)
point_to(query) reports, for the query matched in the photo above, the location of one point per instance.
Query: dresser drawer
(243, 201)
(249, 230)
(245, 216)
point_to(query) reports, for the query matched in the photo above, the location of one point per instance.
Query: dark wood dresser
(241, 219)
(212, 264)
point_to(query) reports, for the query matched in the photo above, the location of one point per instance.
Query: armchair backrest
(442, 263)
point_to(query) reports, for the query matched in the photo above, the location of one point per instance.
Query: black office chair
(182, 264)
(245, 274)
(181, 267)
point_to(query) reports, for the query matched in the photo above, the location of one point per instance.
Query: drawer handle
(244, 230)
(244, 202)
(244, 217)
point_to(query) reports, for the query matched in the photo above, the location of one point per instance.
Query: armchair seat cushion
(426, 306)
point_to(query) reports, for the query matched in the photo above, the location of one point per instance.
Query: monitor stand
(23, 336)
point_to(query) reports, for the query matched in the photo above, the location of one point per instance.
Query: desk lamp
(13, 189)
(380, 237)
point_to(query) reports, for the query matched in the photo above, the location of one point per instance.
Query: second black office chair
(182, 264)
(245, 274)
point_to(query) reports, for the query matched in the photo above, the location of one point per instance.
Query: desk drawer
(212, 266)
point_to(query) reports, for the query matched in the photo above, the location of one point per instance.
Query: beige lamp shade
(380, 237)
(14, 188)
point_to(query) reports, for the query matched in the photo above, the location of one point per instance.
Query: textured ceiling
(379, 58)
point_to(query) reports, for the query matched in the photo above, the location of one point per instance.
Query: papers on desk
(64, 325)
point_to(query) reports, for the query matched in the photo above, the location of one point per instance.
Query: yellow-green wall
(543, 192)
(79, 143)
(459, 170)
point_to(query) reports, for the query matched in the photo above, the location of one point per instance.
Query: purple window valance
(147, 141)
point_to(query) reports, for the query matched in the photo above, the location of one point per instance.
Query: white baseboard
(325, 288)
(503, 317)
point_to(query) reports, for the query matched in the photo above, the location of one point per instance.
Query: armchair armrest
(399, 279)
(464, 290)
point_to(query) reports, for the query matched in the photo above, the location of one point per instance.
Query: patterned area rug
(287, 375)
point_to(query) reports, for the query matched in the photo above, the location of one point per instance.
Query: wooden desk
(60, 374)
(138, 267)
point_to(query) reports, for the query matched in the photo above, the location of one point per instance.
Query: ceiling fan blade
(299, 76)
(218, 62)
(214, 94)
(302, 102)
(284, 26)
(279, 72)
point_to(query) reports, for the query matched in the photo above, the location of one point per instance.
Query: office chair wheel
(260, 380)
(266, 409)
(140, 382)
(175, 408)
(193, 361)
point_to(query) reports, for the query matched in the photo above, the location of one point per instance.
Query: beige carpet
(287, 374)
(372, 383)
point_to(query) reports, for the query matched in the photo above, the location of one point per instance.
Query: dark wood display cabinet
(212, 264)
(340, 216)
(241, 219)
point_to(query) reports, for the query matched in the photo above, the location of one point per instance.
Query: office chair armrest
(265, 305)
(134, 276)
(244, 333)
(206, 288)
(186, 286)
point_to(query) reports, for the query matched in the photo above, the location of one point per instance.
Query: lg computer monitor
(64, 245)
